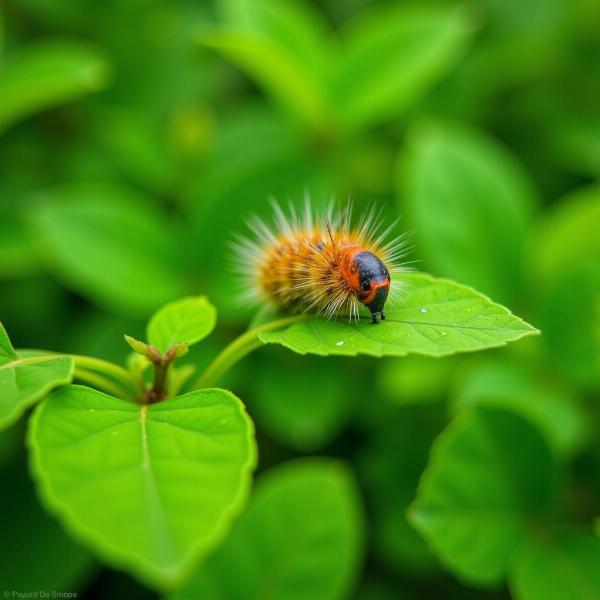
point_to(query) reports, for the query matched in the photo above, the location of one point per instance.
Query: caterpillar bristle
(321, 262)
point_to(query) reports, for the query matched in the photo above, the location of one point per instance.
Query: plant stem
(32, 360)
(159, 385)
(89, 367)
(131, 384)
(102, 383)
(236, 350)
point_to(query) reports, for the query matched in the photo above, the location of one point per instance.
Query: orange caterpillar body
(322, 264)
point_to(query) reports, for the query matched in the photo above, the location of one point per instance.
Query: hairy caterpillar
(322, 263)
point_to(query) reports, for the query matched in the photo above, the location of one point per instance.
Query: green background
(138, 136)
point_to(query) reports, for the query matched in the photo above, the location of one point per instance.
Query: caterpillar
(321, 263)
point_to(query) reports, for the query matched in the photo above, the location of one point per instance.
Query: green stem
(236, 350)
(124, 377)
(159, 384)
(32, 360)
(132, 388)
(99, 382)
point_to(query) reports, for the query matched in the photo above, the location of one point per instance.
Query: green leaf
(469, 203)
(47, 75)
(151, 489)
(138, 346)
(47, 559)
(435, 317)
(285, 47)
(25, 381)
(568, 235)
(301, 537)
(187, 320)
(274, 70)
(7, 352)
(557, 566)
(566, 264)
(109, 244)
(570, 317)
(554, 411)
(490, 475)
(393, 55)
(294, 25)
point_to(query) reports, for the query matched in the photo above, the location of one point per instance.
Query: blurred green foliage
(136, 138)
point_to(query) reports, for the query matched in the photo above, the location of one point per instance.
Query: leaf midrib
(162, 533)
(414, 324)
(455, 326)
(30, 362)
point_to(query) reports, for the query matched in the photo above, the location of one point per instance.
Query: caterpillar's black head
(374, 283)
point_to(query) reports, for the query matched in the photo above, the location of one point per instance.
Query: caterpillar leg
(375, 316)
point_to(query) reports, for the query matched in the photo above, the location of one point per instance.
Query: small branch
(101, 383)
(162, 363)
(158, 391)
(21, 362)
(133, 386)
(236, 350)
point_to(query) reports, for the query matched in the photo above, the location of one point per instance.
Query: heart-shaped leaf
(187, 320)
(150, 488)
(24, 381)
(490, 474)
(435, 317)
(300, 538)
